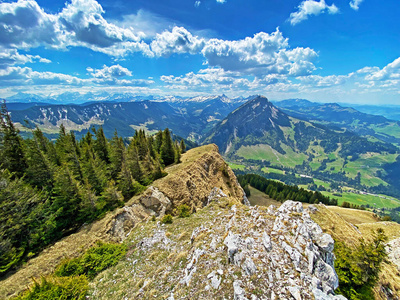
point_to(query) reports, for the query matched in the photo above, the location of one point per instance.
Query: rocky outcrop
(197, 181)
(193, 183)
(235, 252)
(393, 250)
(155, 200)
(121, 224)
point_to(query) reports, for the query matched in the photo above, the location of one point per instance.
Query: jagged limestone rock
(215, 279)
(191, 267)
(232, 241)
(295, 292)
(239, 292)
(240, 252)
(215, 195)
(393, 250)
(266, 241)
(249, 267)
(159, 238)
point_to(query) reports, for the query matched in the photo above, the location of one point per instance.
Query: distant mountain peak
(252, 119)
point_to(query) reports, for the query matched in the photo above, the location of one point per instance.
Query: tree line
(50, 188)
(281, 192)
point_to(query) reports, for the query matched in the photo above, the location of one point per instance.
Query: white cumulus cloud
(10, 57)
(311, 7)
(355, 4)
(179, 40)
(24, 24)
(260, 55)
(318, 81)
(13, 76)
(115, 71)
(115, 75)
(389, 72)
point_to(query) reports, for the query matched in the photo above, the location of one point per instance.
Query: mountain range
(189, 118)
(326, 141)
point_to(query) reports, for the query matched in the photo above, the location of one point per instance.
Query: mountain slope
(259, 121)
(188, 118)
(224, 249)
(124, 116)
(349, 118)
(259, 134)
(249, 123)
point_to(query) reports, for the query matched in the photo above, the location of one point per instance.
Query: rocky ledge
(233, 252)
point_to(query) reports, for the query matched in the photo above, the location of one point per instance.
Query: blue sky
(332, 50)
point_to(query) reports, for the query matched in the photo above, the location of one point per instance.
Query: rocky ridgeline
(189, 185)
(235, 252)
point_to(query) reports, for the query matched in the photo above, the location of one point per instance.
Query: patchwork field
(236, 166)
(266, 152)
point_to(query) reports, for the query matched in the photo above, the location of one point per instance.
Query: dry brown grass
(336, 221)
(335, 224)
(389, 277)
(191, 181)
(261, 199)
(45, 263)
(191, 156)
(355, 216)
(392, 229)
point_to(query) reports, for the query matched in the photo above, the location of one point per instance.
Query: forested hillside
(49, 189)
(282, 192)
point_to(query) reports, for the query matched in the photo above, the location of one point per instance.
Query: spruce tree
(66, 199)
(182, 146)
(167, 152)
(101, 145)
(39, 172)
(133, 163)
(11, 155)
(177, 153)
(111, 197)
(117, 150)
(158, 141)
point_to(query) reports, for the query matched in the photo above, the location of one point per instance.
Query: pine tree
(133, 163)
(67, 152)
(177, 154)
(150, 146)
(87, 209)
(93, 170)
(126, 182)
(66, 198)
